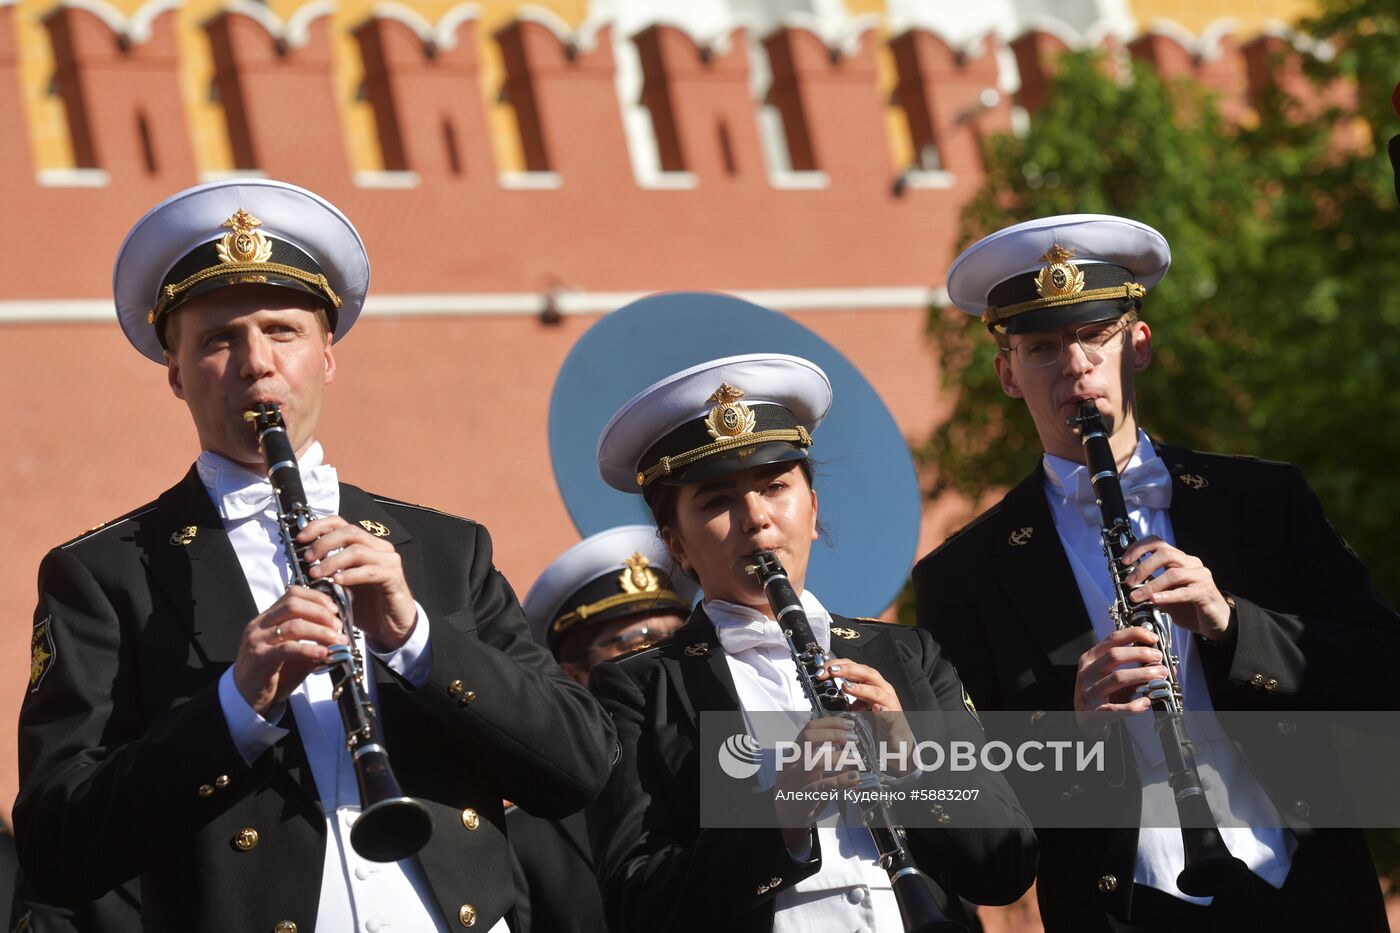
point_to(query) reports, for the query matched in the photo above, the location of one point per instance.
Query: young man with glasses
(613, 592)
(1271, 610)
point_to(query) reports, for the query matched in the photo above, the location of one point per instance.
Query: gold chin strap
(581, 613)
(170, 293)
(667, 465)
(995, 317)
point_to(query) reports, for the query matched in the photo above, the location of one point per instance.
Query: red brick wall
(452, 410)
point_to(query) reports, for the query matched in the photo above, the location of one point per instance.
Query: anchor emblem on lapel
(1193, 480)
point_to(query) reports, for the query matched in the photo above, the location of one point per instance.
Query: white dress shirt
(1249, 822)
(851, 893)
(356, 894)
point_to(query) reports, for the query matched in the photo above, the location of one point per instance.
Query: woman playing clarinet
(720, 452)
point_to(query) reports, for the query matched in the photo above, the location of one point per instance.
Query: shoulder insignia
(698, 650)
(641, 646)
(41, 653)
(1020, 537)
(103, 526)
(847, 633)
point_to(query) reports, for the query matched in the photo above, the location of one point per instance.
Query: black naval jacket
(1310, 632)
(126, 763)
(556, 891)
(659, 870)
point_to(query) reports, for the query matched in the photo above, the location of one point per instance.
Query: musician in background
(726, 478)
(177, 725)
(1272, 610)
(611, 593)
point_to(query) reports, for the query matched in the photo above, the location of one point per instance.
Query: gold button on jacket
(467, 915)
(285, 926)
(246, 839)
(1108, 884)
(470, 818)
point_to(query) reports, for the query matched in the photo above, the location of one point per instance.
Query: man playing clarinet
(1271, 610)
(180, 723)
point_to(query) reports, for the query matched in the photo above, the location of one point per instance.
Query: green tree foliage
(1276, 328)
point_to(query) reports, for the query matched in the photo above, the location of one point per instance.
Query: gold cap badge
(730, 417)
(1060, 277)
(639, 577)
(244, 243)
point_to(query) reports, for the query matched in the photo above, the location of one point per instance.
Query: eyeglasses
(1094, 339)
(628, 639)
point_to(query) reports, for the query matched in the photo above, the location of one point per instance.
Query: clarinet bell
(1210, 868)
(1210, 875)
(391, 830)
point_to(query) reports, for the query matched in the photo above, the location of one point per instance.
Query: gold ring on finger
(277, 632)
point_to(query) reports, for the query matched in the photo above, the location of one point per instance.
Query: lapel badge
(1021, 536)
(185, 535)
(374, 528)
(1193, 480)
(698, 650)
(846, 633)
(41, 654)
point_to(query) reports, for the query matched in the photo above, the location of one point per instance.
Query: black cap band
(1078, 293)
(693, 453)
(604, 598)
(206, 268)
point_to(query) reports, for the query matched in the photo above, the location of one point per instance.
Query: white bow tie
(252, 498)
(739, 628)
(1146, 485)
(740, 636)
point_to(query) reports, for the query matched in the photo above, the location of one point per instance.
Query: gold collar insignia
(1193, 480)
(374, 527)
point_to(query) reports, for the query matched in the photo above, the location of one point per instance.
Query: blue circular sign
(868, 492)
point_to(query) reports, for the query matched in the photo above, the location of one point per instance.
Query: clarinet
(1210, 868)
(917, 907)
(391, 825)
